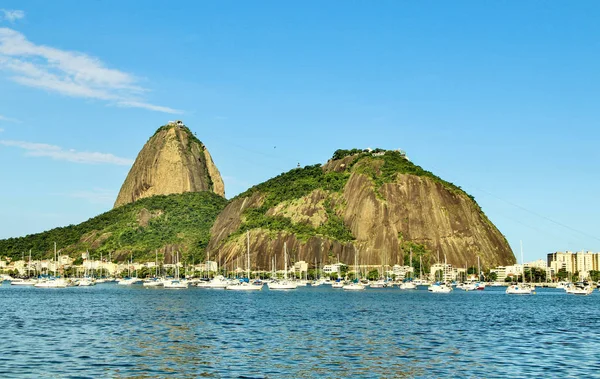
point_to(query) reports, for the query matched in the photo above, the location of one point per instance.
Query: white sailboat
(53, 282)
(176, 283)
(441, 287)
(284, 284)
(520, 289)
(154, 281)
(245, 286)
(25, 282)
(409, 284)
(356, 285)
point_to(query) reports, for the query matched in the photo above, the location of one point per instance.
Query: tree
(562, 274)
(373, 275)
(492, 276)
(594, 275)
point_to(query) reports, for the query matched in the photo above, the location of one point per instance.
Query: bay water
(135, 332)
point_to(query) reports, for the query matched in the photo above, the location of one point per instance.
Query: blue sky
(497, 97)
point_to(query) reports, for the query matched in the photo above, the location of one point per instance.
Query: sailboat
(480, 284)
(128, 280)
(154, 281)
(53, 282)
(356, 285)
(409, 284)
(176, 283)
(441, 287)
(284, 284)
(246, 285)
(523, 289)
(86, 281)
(25, 282)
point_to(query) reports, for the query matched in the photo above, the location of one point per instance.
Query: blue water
(122, 332)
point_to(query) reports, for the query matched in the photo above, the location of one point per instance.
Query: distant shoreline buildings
(558, 265)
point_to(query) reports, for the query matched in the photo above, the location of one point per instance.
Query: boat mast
(248, 246)
(284, 261)
(411, 275)
(522, 261)
(55, 260)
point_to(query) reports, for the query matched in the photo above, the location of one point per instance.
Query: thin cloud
(12, 15)
(94, 196)
(1, 130)
(70, 73)
(8, 119)
(58, 153)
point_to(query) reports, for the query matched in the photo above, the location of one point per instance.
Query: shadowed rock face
(382, 218)
(172, 161)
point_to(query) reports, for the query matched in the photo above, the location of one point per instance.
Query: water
(135, 332)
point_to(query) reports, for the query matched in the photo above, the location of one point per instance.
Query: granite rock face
(172, 161)
(386, 220)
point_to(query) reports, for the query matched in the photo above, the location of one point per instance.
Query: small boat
(218, 281)
(581, 288)
(86, 282)
(439, 287)
(408, 285)
(152, 282)
(245, 285)
(379, 284)
(176, 283)
(51, 283)
(127, 281)
(519, 289)
(471, 286)
(337, 284)
(23, 282)
(358, 286)
(284, 284)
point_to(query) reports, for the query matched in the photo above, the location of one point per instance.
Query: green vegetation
(292, 185)
(394, 163)
(183, 220)
(419, 254)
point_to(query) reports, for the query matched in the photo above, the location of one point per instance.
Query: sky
(498, 97)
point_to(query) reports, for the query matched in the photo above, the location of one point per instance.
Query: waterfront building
(401, 272)
(335, 268)
(581, 262)
(502, 272)
(300, 267)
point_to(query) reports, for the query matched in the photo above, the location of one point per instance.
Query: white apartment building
(402, 272)
(335, 268)
(581, 261)
(300, 266)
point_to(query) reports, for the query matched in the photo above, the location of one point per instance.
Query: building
(402, 272)
(581, 262)
(335, 268)
(300, 266)
(451, 273)
(502, 272)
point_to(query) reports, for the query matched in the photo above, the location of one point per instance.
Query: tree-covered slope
(377, 203)
(165, 223)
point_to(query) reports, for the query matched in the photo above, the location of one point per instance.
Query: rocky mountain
(172, 161)
(376, 204)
